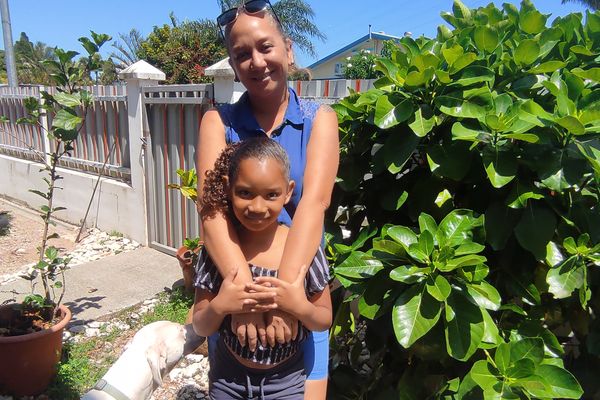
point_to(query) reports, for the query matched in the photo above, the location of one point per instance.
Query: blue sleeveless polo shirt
(293, 135)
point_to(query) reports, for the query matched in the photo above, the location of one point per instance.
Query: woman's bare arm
(306, 232)
(219, 235)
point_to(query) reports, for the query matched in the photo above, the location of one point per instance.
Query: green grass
(114, 233)
(85, 362)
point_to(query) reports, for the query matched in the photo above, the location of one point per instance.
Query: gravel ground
(19, 247)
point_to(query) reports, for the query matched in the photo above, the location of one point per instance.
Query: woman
(261, 57)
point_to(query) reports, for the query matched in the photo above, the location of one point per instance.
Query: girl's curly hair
(214, 196)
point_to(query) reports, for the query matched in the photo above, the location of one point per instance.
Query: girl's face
(259, 192)
(259, 54)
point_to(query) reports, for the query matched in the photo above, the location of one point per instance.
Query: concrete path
(110, 284)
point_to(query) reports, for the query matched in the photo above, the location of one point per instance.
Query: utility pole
(9, 53)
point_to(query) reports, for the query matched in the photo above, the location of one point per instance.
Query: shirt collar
(293, 113)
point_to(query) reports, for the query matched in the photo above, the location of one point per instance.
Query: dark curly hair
(214, 196)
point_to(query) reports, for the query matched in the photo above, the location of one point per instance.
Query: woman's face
(259, 54)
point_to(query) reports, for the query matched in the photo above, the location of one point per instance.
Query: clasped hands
(264, 309)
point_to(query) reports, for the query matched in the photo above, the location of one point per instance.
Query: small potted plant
(31, 330)
(187, 254)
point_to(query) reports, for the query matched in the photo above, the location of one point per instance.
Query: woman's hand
(249, 327)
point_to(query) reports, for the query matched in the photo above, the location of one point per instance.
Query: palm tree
(593, 4)
(296, 16)
(29, 57)
(127, 49)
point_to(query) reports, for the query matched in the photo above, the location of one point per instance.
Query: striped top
(208, 278)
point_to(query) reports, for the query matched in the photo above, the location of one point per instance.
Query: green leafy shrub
(361, 66)
(468, 192)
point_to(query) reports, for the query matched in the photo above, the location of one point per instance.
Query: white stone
(194, 357)
(175, 373)
(191, 370)
(94, 324)
(91, 332)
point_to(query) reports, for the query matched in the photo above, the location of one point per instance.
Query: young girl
(250, 181)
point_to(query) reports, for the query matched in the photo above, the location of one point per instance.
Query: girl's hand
(289, 297)
(235, 298)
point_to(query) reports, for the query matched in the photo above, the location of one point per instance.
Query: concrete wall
(116, 205)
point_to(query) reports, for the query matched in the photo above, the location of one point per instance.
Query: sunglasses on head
(249, 7)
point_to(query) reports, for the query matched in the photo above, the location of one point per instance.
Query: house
(331, 67)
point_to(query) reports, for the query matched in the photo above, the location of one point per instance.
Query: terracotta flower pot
(186, 259)
(29, 361)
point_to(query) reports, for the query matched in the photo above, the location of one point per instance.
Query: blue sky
(61, 22)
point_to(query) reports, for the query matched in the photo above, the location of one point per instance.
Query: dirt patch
(18, 248)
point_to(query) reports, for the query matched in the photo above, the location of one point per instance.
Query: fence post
(226, 89)
(137, 76)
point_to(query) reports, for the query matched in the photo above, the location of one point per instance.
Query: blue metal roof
(372, 35)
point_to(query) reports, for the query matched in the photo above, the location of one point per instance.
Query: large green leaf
(527, 52)
(491, 334)
(461, 262)
(548, 66)
(358, 265)
(408, 274)
(468, 247)
(402, 235)
(423, 121)
(438, 287)
(427, 223)
(67, 99)
(500, 166)
(419, 78)
(571, 124)
(414, 314)
(465, 104)
(456, 227)
(475, 74)
(451, 160)
(392, 110)
(532, 22)
(564, 278)
(469, 132)
(462, 61)
(484, 295)
(66, 120)
(531, 348)
(592, 155)
(502, 357)
(486, 38)
(564, 385)
(398, 148)
(451, 54)
(592, 74)
(521, 193)
(464, 327)
(484, 374)
(536, 229)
